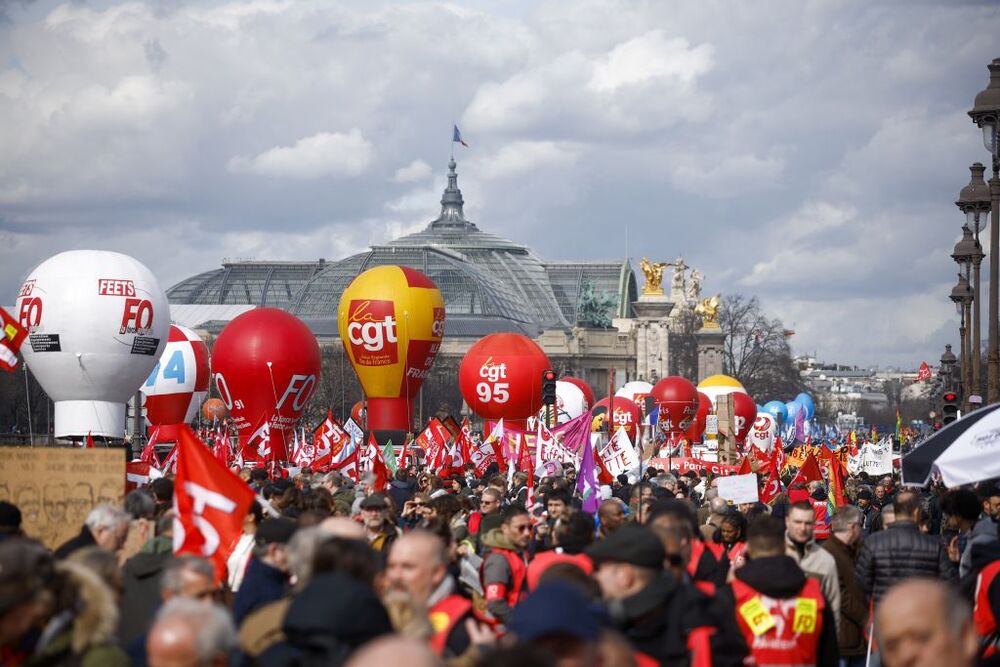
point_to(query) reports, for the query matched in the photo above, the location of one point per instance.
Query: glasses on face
(675, 560)
(523, 529)
(417, 504)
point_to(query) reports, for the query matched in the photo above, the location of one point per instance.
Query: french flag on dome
(457, 136)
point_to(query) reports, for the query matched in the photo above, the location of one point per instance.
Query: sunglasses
(421, 505)
(675, 560)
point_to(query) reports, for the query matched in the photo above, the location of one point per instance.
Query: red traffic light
(950, 397)
(549, 376)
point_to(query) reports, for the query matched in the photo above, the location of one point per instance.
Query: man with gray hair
(718, 509)
(923, 623)
(846, 533)
(106, 527)
(188, 632)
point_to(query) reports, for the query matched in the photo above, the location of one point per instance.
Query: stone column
(710, 342)
(652, 335)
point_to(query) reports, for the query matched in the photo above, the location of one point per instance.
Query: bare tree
(756, 350)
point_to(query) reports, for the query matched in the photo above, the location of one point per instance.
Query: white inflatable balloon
(636, 391)
(762, 432)
(570, 402)
(174, 391)
(97, 324)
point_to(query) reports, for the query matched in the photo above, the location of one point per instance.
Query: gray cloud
(808, 152)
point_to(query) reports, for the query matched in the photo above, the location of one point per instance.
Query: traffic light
(951, 405)
(548, 387)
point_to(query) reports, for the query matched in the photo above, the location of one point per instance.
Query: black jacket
(899, 552)
(400, 492)
(780, 577)
(141, 597)
(84, 539)
(327, 620)
(262, 583)
(658, 619)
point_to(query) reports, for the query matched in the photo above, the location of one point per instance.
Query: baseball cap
(555, 609)
(633, 544)
(274, 531)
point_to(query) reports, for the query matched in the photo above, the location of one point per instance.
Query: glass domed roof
(489, 283)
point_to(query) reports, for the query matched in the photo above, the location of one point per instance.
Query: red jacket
(781, 632)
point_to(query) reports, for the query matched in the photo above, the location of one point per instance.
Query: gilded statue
(709, 311)
(654, 276)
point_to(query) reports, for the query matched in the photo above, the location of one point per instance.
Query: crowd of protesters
(486, 571)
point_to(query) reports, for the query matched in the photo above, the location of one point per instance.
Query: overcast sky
(807, 152)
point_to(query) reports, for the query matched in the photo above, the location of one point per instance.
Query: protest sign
(739, 489)
(56, 488)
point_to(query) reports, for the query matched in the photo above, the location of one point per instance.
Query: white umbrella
(974, 455)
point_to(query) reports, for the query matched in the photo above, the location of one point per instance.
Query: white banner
(876, 458)
(739, 489)
(619, 455)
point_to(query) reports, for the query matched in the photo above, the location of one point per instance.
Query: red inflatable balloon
(627, 414)
(266, 366)
(745, 412)
(588, 393)
(501, 376)
(678, 401)
(697, 428)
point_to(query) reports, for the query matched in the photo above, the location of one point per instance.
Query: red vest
(518, 574)
(697, 549)
(983, 615)
(822, 531)
(781, 633)
(444, 616)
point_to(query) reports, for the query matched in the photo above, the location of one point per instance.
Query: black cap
(374, 501)
(632, 544)
(10, 517)
(555, 609)
(864, 494)
(274, 531)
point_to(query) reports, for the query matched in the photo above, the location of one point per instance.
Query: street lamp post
(962, 296)
(974, 202)
(947, 368)
(965, 252)
(986, 114)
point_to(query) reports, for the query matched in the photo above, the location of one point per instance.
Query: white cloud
(322, 154)
(417, 170)
(522, 157)
(721, 177)
(649, 57)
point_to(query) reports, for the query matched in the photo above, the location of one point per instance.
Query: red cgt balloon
(588, 393)
(266, 365)
(697, 428)
(745, 412)
(501, 377)
(677, 399)
(627, 414)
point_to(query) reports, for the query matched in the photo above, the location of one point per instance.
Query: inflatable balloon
(744, 414)
(678, 401)
(391, 321)
(806, 401)
(697, 428)
(719, 385)
(792, 408)
(177, 385)
(636, 391)
(588, 393)
(97, 322)
(266, 366)
(213, 409)
(570, 403)
(777, 410)
(763, 431)
(627, 414)
(501, 377)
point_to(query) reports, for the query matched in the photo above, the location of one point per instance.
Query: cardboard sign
(56, 488)
(712, 425)
(739, 489)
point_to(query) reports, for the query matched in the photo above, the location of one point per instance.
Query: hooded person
(782, 613)
(327, 621)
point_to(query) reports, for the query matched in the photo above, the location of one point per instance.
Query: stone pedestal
(710, 341)
(652, 342)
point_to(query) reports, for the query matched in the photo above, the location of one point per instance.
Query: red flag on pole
(773, 485)
(210, 503)
(924, 373)
(12, 334)
(745, 468)
(809, 472)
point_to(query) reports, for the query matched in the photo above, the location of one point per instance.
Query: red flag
(773, 485)
(809, 472)
(405, 451)
(924, 373)
(12, 334)
(603, 476)
(257, 446)
(210, 501)
(835, 476)
(375, 464)
(148, 454)
(744, 468)
(88, 442)
(139, 474)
